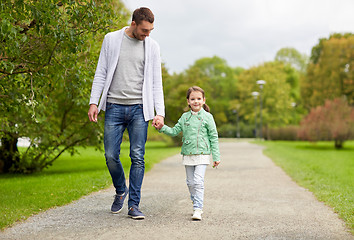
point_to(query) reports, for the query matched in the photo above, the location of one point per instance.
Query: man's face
(142, 30)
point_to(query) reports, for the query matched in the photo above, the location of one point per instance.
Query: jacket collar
(202, 111)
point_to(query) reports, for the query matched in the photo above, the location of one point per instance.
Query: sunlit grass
(319, 167)
(70, 178)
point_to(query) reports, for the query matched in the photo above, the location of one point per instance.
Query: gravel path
(247, 197)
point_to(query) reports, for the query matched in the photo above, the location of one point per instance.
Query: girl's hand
(216, 164)
(158, 124)
(157, 121)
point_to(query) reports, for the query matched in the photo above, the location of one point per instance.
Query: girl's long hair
(198, 89)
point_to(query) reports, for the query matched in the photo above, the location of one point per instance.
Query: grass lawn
(325, 171)
(70, 178)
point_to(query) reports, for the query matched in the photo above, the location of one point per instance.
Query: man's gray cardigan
(107, 63)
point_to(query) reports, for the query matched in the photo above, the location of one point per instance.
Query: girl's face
(196, 101)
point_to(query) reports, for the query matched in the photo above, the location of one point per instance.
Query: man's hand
(157, 121)
(93, 112)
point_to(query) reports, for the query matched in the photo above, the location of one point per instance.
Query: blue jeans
(117, 119)
(195, 183)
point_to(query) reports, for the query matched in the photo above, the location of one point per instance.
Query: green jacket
(199, 134)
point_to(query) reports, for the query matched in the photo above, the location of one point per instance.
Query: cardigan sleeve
(157, 82)
(213, 138)
(100, 74)
(172, 131)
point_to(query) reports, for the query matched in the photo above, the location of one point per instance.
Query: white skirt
(192, 160)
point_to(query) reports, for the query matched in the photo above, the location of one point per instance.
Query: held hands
(158, 125)
(158, 122)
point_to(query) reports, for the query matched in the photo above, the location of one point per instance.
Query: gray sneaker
(135, 213)
(117, 205)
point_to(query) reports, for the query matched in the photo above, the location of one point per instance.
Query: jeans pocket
(109, 106)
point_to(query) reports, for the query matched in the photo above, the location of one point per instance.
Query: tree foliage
(48, 55)
(293, 57)
(332, 121)
(218, 80)
(330, 73)
(276, 94)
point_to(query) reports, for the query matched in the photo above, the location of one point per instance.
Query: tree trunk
(338, 144)
(8, 153)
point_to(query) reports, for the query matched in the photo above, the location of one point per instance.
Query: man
(128, 75)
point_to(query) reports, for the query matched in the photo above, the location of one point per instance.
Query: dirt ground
(247, 197)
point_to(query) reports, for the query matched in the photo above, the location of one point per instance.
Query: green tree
(296, 64)
(213, 75)
(293, 57)
(330, 73)
(276, 94)
(48, 54)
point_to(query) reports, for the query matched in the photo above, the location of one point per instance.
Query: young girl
(200, 139)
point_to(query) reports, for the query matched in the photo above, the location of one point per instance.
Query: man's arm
(159, 104)
(98, 82)
(100, 74)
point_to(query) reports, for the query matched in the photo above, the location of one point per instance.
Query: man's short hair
(142, 14)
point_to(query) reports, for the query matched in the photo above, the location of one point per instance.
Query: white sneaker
(197, 215)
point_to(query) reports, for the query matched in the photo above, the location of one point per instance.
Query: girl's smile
(196, 101)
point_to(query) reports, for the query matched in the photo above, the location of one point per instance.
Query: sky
(245, 33)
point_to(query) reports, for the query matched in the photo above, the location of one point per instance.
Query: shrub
(333, 121)
(288, 133)
(230, 130)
